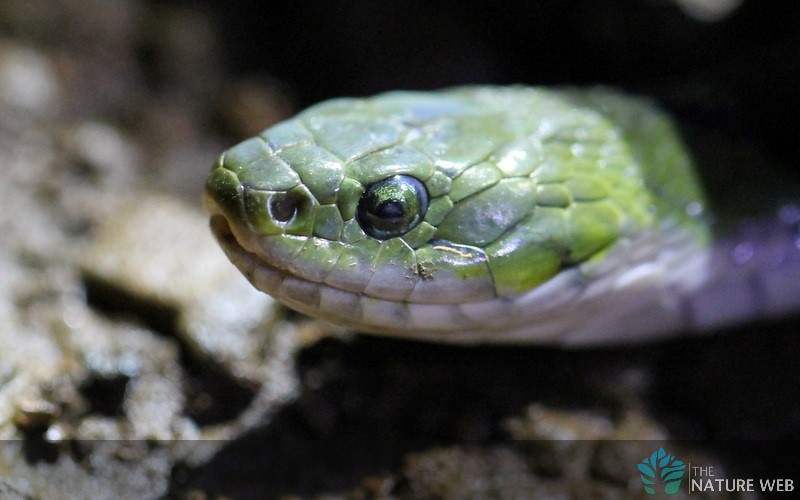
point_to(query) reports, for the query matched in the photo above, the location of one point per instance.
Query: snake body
(484, 214)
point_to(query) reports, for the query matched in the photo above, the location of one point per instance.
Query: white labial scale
(438, 317)
(300, 291)
(393, 282)
(267, 278)
(487, 312)
(384, 315)
(340, 304)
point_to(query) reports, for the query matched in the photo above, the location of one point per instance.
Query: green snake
(491, 214)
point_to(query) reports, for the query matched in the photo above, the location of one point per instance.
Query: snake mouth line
(309, 297)
(494, 320)
(224, 234)
(221, 228)
(354, 310)
(242, 258)
(298, 293)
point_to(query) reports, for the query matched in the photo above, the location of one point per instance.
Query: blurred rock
(564, 441)
(128, 342)
(159, 252)
(27, 81)
(102, 149)
(462, 472)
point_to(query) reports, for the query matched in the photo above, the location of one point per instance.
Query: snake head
(389, 213)
(315, 229)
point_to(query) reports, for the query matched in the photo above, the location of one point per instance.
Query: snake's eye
(392, 207)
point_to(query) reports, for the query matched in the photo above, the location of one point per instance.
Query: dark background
(736, 80)
(740, 73)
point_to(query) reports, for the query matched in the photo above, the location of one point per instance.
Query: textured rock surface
(128, 343)
(136, 362)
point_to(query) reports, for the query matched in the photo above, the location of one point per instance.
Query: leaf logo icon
(662, 469)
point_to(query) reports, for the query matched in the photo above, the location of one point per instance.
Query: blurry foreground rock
(553, 454)
(152, 257)
(137, 331)
(128, 342)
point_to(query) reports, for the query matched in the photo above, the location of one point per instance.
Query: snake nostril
(283, 207)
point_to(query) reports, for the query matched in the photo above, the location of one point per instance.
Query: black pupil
(391, 209)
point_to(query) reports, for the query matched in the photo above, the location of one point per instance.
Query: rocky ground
(136, 362)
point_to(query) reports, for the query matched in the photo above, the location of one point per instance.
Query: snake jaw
(440, 322)
(244, 260)
(595, 313)
(535, 314)
(532, 195)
